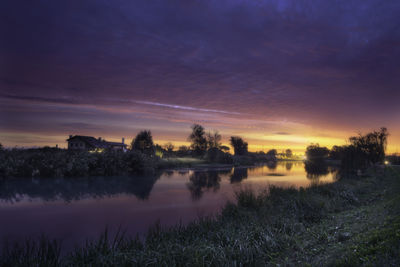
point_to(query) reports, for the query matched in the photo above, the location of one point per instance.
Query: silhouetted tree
(169, 147)
(364, 150)
(239, 145)
(336, 152)
(372, 144)
(198, 139)
(315, 152)
(218, 156)
(271, 154)
(288, 153)
(213, 140)
(1, 147)
(143, 142)
(182, 151)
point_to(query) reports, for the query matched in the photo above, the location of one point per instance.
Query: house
(90, 143)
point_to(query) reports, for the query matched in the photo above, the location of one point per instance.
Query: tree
(143, 142)
(288, 153)
(271, 154)
(315, 152)
(336, 153)
(239, 145)
(373, 145)
(169, 147)
(198, 139)
(182, 151)
(213, 140)
(1, 147)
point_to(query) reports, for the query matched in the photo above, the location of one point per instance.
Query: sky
(281, 74)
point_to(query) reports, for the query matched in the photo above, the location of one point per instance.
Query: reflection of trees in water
(289, 166)
(200, 181)
(183, 172)
(272, 165)
(317, 169)
(168, 173)
(238, 175)
(49, 189)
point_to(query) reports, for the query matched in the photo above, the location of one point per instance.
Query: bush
(315, 152)
(215, 155)
(64, 163)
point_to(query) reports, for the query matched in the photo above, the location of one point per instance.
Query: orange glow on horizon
(257, 142)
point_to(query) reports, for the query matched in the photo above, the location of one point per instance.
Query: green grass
(184, 161)
(356, 218)
(378, 247)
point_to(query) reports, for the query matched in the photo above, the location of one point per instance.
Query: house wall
(76, 145)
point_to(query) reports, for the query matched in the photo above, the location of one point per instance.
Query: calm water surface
(74, 210)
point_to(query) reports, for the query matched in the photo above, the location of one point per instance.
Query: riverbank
(60, 163)
(355, 217)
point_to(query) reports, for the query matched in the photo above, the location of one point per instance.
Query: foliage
(183, 151)
(315, 152)
(363, 151)
(373, 145)
(63, 163)
(215, 155)
(213, 140)
(239, 145)
(288, 153)
(169, 147)
(198, 139)
(271, 154)
(143, 142)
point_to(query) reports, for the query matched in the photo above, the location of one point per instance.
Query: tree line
(362, 151)
(202, 144)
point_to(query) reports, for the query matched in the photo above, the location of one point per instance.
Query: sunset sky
(281, 74)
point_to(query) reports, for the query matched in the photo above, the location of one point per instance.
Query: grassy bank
(59, 163)
(354, 217)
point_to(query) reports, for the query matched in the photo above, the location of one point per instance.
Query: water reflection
(289, 166)
(238, 175)
(201, 181)
(197, 182)
(47, 189)
(81, 208)
(272, 165)
(317, 169)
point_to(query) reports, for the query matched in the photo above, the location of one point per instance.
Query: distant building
(89, 143)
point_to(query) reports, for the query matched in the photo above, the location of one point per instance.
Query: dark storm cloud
(324, 62)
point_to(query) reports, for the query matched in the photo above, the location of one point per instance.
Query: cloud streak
(186, 107)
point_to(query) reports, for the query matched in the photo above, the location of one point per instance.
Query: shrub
(315, 152)
(215, 155)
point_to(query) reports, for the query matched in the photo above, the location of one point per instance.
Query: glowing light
(386, 162)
